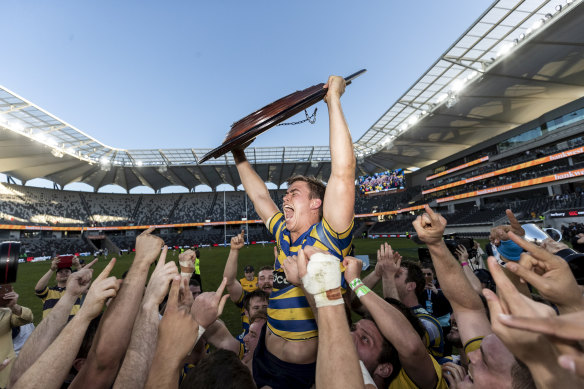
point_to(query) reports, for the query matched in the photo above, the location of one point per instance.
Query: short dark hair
(521, 377)
(256, 293)
(198, 253)
(415, 275)
(267, 267)
(316, 186)
(407, 312)
(220, 369)
(194, 282)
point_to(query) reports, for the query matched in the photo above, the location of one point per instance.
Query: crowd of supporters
(436, 322)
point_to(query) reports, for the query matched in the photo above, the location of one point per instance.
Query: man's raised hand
(386, 260)
(209, 305)
(148, 246)
(238, 241)
(430, 226)
(160, 280)
(79, 282)
(102, 288)
(549, 274)
(353, 268)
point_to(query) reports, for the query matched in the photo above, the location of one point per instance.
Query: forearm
(230, 272)
(218, 335)
(472, 279)
(546, 372)
(115, 328)
(453, 281)
(335, 348)
(165, 370)
(255, 187)
(43, 335)
(371, 280)
(44, 281)
(341, 144)
(51, 368)
(138, 359)
(389, 288)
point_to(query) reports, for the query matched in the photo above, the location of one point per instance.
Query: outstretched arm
(230, 272)
(138, 359)
(115, 329)
(51, 368)
(255, 187)
(396, 329)
(339, 198)
(44, 281)
(466, 303)
(50, 327)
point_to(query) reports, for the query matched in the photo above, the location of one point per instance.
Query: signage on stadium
(454, 169)
(570, 213)
(515, 185)
(539, 161)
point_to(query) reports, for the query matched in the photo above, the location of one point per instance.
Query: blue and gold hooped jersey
(244, 318)
(289, 314)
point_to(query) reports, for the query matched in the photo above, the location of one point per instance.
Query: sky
(176, 74)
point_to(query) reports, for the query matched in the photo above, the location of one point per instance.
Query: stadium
(495, 123)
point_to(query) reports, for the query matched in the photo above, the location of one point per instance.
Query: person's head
(256, 322)
(494, 366)
(195, 288)
(410, 282)
(428, 272)
(63, 275)
(248, 271)
(302, 205)
(378, 355)
(266, 279)
(197, 253)
(254, 302)
(220, 369)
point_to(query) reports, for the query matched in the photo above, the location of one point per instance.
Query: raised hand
(185, 297)
(178, 330)
(160, 280)
(55, 264)
(523, 344)
(549, 274)
(238, 241)
(79, 282)
(454, 374)
(336, 87)
(353, 268)
(386, 260)
(430, 226)
(148, 247)
(12, 298)
(209, 305)
(103, 288)
(461, 253)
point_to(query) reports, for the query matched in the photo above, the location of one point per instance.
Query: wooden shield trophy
(246, 129)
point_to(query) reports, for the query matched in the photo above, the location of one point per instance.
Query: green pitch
(212, 264)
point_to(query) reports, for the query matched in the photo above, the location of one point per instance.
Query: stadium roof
(516, 62)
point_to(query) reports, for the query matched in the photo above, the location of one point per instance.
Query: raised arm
(44, 281)
(255, 187)
(115, 328)
(394, 326)
(219, 336)
(466, 303)
(339, 198)
(230, 272)
(51, 368)
(138, 359)
(50, 327)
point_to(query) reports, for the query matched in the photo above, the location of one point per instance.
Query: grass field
(212, 264)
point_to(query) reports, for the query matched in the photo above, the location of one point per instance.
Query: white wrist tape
(201, 332)
(366, 376)
(323, 274)
(186, 268)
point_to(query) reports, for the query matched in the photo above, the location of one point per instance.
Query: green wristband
(362, 291)
(356, 282)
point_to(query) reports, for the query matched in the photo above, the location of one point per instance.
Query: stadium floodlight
(163, 169)
(441, 98)
(412, 120)
(71, 150)
(505, 49)
(457, 85)
(537, 24)
(104, 161)
(139, 163)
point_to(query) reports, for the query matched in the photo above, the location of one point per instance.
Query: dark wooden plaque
(246, 129)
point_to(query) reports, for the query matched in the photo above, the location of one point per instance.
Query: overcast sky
(172, 74)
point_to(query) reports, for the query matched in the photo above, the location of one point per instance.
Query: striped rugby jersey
(289, 314)
(51, 295)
